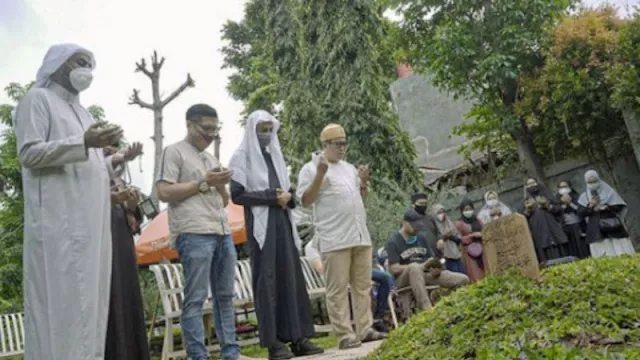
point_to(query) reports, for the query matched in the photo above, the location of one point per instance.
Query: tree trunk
(527, 154)
(633, 128)
(157, 162)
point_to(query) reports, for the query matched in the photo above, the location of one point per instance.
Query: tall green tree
(11, 203)
(323, 62)
(480, 50)
(254, 81)
(567, 103)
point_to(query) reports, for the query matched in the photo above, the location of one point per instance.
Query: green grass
(586, 310)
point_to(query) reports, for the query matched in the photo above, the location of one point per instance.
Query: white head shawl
(485, 212)
(250, 170)
(608, 196)
(55, 57)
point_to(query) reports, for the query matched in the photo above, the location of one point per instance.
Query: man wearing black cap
(427, 223)
(413, 261)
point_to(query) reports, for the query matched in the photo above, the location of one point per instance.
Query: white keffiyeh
(250, 170)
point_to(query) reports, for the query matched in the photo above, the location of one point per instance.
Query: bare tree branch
(188, 83)
(155, 63)
(134, 99)
(142, 67)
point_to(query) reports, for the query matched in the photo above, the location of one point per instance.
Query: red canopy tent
(153, 245)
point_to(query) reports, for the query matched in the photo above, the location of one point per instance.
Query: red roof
(404, 70)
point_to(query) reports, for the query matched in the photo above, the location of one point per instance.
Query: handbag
(610, 224)
(474, 249)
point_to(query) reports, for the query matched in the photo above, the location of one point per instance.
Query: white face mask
(441, 216)
(492, 202)
(593, 186)
(564, 191)
(467, 213)
(81, 78)
(496, 217)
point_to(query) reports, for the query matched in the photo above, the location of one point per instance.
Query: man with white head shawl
(67, 225)
(260, 183)
(605, 211)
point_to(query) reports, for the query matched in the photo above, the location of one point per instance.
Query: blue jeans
(208, 259)
(385, 283)
(454, 265)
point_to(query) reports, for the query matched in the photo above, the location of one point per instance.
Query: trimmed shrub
(583, 310)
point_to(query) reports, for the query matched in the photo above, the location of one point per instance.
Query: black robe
(594, 234)
(282, 303)
(126, 335)
(577, 245)
(548, 236)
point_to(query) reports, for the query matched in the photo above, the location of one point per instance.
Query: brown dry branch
(186, 84)
(134, 99)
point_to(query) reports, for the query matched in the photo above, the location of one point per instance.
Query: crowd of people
(82, 297)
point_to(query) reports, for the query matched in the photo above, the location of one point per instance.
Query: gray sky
(120, 32)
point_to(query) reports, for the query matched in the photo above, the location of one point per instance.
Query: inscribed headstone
(507, 244)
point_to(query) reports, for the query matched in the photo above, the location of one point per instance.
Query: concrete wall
(429, 116)
(626, 182)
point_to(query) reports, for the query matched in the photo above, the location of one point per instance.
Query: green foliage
(627, 69)
(568, 102)
(12, 204)
(323, 62)
(583, 310)
(480, 50)
(254, 81)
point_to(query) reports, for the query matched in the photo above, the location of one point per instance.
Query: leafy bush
(582, 310)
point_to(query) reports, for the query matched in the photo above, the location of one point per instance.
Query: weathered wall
(626, 182)
(429, 117)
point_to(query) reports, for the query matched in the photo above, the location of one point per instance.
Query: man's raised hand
(99, 136)
(218, 177)
(133, 151)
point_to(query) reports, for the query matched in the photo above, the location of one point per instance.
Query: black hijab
(574, 194)
(542, 190)
(476, 226)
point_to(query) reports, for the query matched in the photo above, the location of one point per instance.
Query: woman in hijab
(469, 228)
(572, 222)
(493, 208)
(449, 243)
(605, 211)
(548, 237)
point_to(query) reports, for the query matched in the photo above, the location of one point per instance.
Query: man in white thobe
(67, 227)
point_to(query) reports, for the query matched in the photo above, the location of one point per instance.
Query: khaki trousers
(342, 268)
(415, 276)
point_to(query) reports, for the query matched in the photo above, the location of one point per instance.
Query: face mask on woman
(468, 214)
(492, 202)
(441, 216)
(564, 191)
(593, 186)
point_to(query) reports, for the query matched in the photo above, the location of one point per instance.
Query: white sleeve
(32, 125)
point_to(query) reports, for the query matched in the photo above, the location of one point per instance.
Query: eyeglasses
(338, 144)
(208, 130)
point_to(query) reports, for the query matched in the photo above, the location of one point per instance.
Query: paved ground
(335, 354)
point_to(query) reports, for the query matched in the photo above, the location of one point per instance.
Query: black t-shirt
(400, 252)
